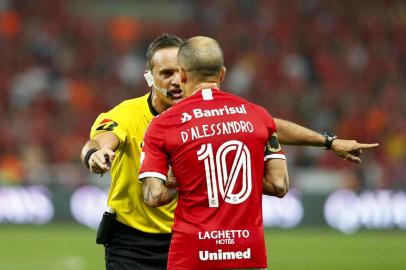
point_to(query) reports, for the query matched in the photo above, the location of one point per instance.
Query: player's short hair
(201, 55)
(163, 41)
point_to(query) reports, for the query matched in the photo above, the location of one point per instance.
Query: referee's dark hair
(201, 56)
(161, 42)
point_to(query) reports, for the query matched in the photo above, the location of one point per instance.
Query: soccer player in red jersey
(215, 143)
(146, 236)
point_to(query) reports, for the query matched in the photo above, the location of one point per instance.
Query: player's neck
(203, 85)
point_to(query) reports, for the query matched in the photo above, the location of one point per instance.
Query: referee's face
(165, 72)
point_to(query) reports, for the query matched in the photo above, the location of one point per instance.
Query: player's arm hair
(290, 133)
(276, 179)
(156, 193)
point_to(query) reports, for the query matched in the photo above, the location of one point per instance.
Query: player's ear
(183, 75)
(222, 73)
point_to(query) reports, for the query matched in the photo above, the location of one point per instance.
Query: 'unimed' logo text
(219, 255)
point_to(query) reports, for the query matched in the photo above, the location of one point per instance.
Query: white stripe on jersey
(275, 156)
(152, 174)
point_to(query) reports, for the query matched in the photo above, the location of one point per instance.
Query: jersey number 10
(221, 178)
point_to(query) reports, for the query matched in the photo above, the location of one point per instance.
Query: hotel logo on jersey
(225, 110)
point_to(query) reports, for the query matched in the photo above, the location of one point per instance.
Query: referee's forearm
(104, 140)
(90, 144)
(290, 133)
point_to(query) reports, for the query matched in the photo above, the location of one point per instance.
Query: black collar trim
(151, 108)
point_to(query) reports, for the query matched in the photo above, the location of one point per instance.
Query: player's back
(216, 143)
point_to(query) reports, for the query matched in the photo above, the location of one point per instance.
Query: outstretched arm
(290, 133)
(97, 154)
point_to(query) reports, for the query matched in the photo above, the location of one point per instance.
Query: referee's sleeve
(107, 122)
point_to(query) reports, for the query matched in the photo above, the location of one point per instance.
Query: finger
(96, 169)
(107, 161)
(353, 159)
(367, 145)
(357, 152)
(110, 154)
(171, 182)
(99, 159)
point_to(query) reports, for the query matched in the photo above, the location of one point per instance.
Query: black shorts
(131, 249)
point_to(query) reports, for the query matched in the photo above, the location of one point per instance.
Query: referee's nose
(175, 81)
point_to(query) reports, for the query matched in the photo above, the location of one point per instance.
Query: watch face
(330, 137)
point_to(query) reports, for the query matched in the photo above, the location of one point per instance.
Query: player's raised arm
(156, 192)
(98, 154)
(290, 133)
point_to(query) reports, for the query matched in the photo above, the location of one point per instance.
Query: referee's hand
(100, 161)
(351, 150)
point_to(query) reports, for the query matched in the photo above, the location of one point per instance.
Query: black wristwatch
(330, 137)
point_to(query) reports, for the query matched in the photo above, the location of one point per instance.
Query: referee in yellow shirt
(136, 236)
(139, 236)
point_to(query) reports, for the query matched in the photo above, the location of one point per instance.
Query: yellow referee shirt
(129, 121)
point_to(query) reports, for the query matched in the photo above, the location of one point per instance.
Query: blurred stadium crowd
(328, 65)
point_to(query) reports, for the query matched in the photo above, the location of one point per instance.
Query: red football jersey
(215, 143)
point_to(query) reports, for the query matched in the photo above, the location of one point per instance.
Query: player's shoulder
(235, 98)
(256, 107)
(224, 94)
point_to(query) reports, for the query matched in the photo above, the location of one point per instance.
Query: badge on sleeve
(272, 145)
(107, 125)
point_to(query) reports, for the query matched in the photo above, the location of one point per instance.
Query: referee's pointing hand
(100, 161)
(351, 150)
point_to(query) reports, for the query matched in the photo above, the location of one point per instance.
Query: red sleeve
(273, 148)
(154, 157)
(267, 120)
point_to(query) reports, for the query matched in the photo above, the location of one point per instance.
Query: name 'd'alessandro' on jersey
(204, 131)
